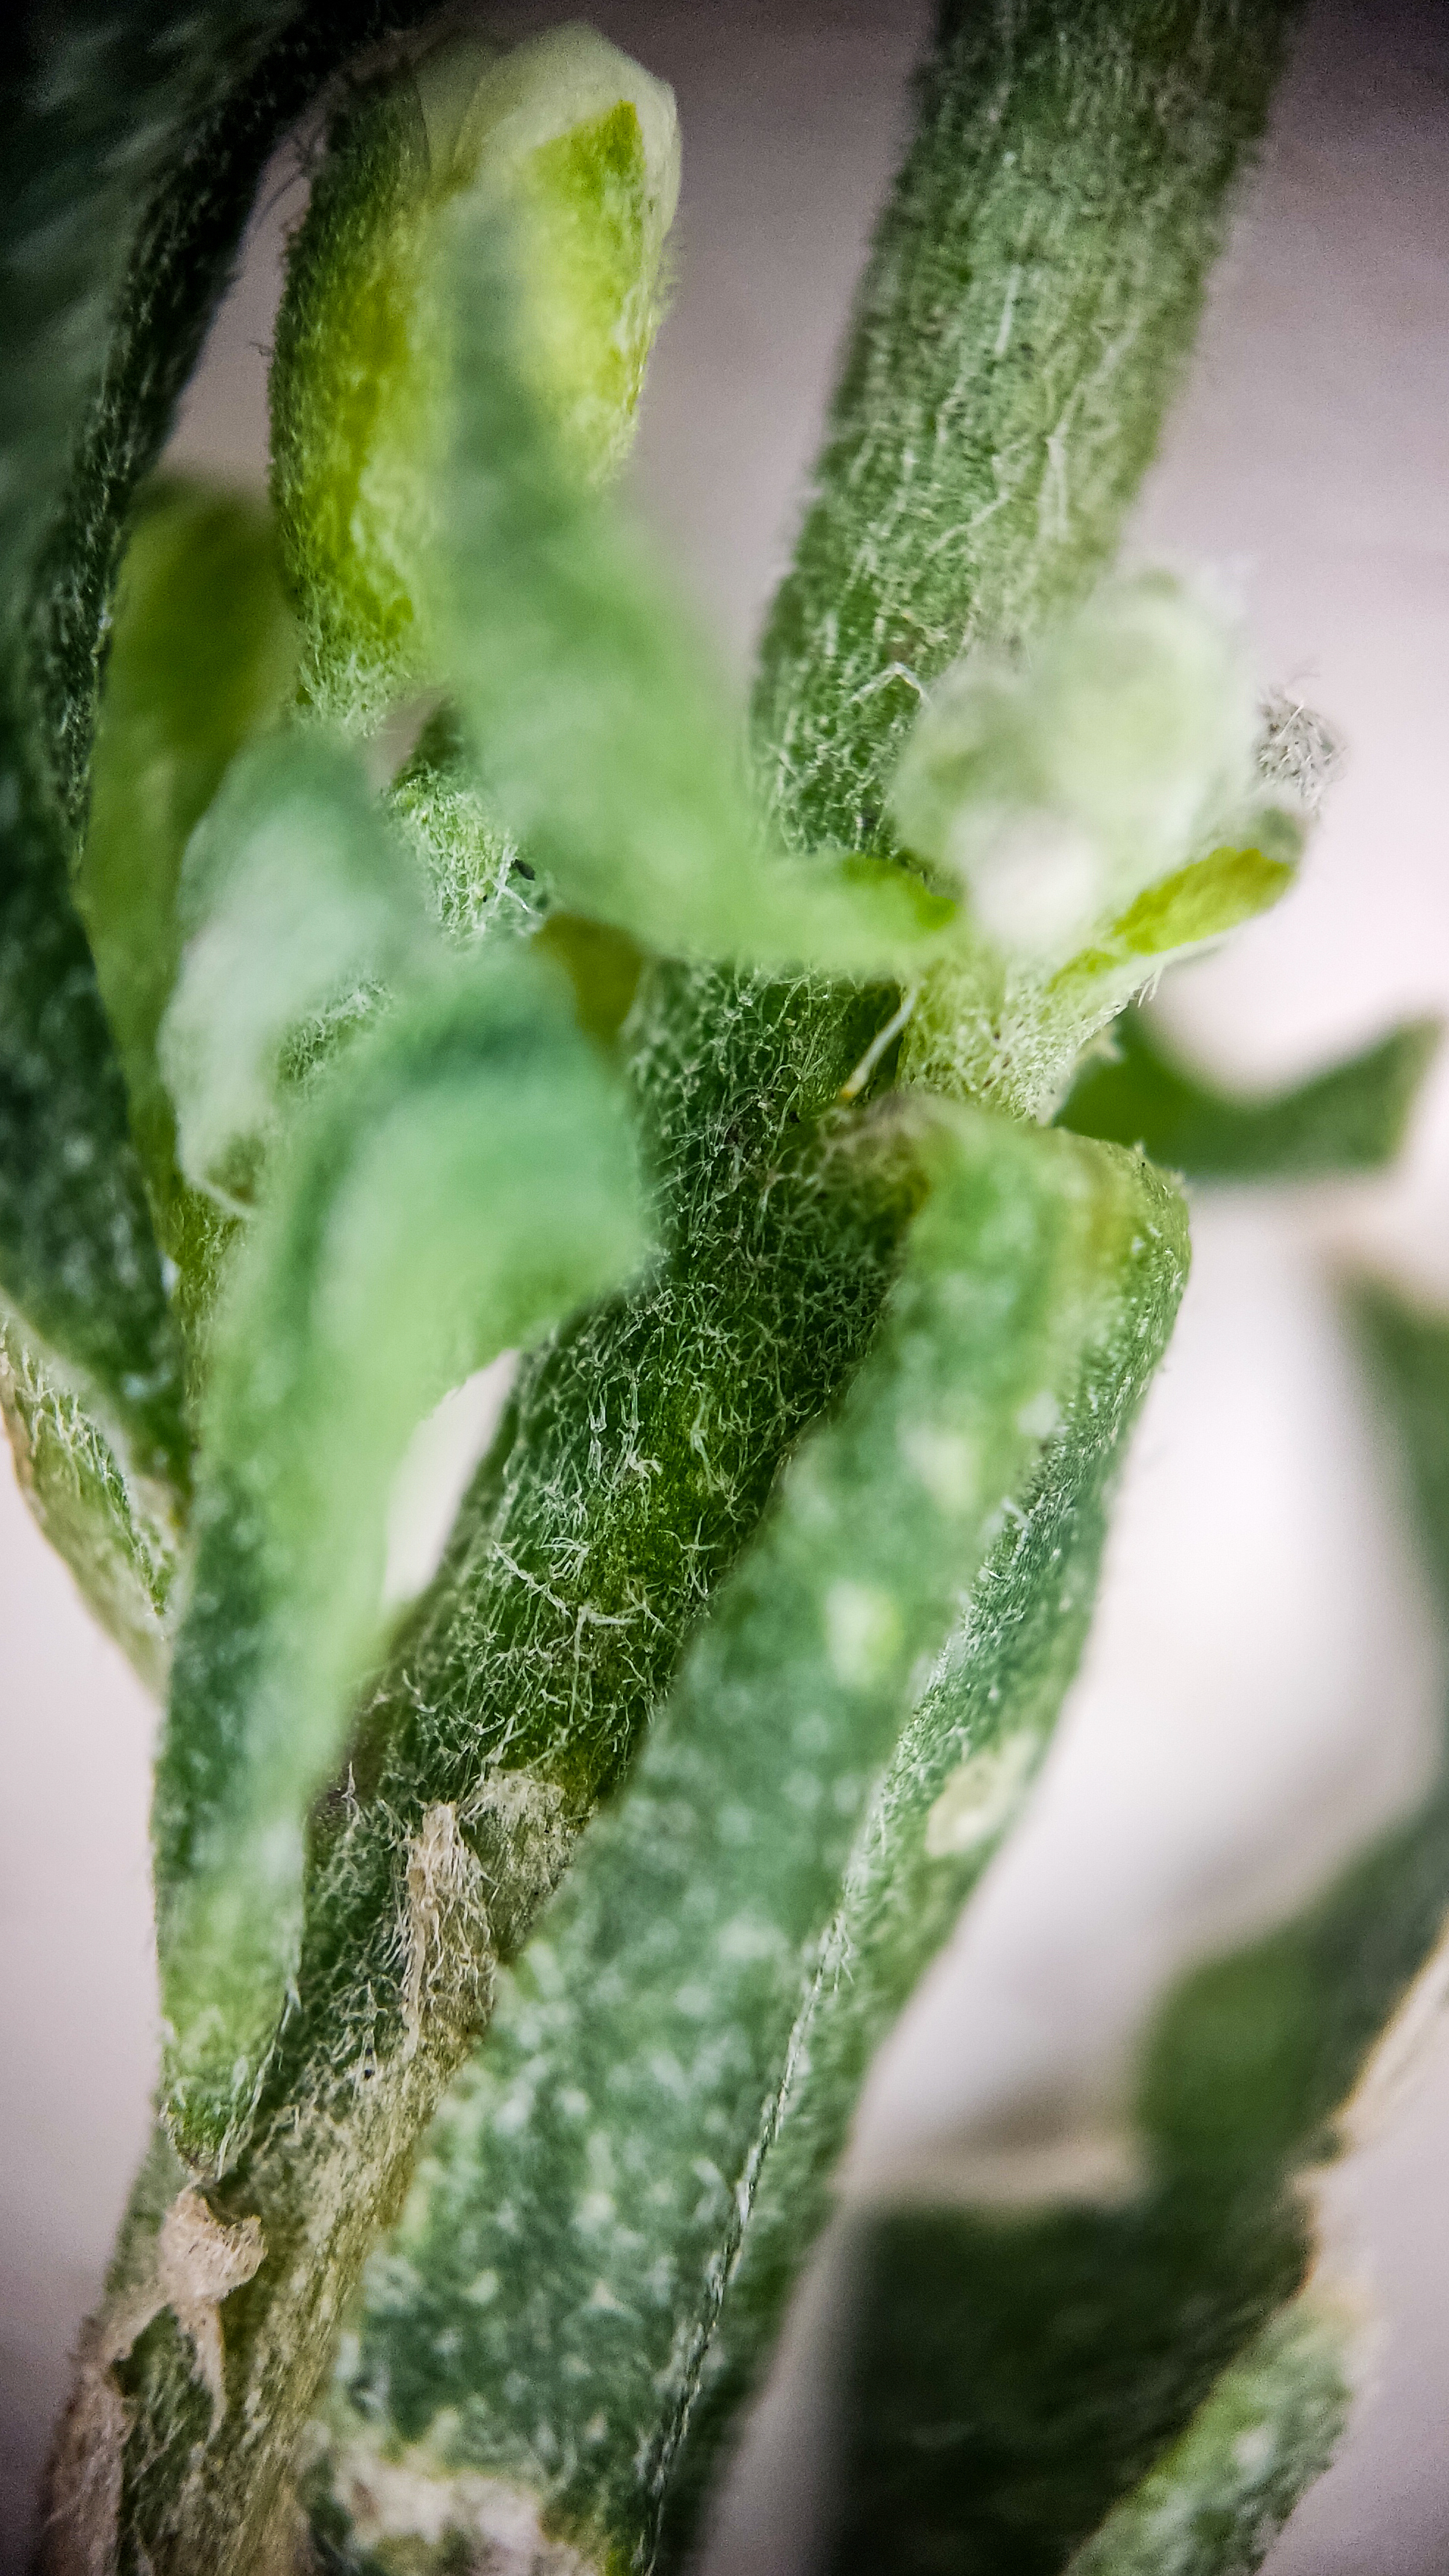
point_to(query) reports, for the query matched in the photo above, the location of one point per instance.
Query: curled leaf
(592, 707)
(202, 656)
(1103, 807)
(295, 901)
(459, 1183)
(571, 151)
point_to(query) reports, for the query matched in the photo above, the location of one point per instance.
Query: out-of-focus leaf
(580, 680)
(295, 903)
(135, 142)
(78, 1258)
(202, 652)
(1064, 794)
(1221, 2494)
(1350, 1119)
(462, 1181)
(553, 2301)
(1102, 806)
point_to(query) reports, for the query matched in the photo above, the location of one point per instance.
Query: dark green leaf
(1017, 2375)
(1350, 1119)
(790, 1848)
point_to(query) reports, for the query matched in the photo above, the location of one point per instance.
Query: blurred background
(1264, 1681)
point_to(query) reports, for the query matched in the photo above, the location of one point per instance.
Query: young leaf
(201, 659)
(592, 708)
(474, 879)
(1057, 793)
(552, 2299)
(1350, 1119)
(1018, 2375)
(461, 1182)
(1103, 811)
(295, 903)
(202, 656)
(574, 149)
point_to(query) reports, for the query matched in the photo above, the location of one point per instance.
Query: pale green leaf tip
(1057, 794)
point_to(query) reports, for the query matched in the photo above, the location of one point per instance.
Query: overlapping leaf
(574, 149)
(553, 2303)
(138, 137)
(1015, 2377)
(461, 1182)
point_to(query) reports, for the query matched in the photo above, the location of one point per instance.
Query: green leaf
(553, 2298)
(78, 1259)
(201, 659)
(1220, 2496)
(1068, 192)
(110, 1527)
(202, 654)
(1350, 1119)
(574, 150)
(137, 138)
(1018, 2375)
(461, 1182)
(1101, 805)
(641, 1446)
(296, 904)
(1063, 793)
(593, 710)
(475, 880)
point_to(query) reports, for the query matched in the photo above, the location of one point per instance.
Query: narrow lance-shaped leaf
(550, 2306)
(1217, 2499)
(462, 1181)
(78, 1259)
(202, 655)
(1350, 1119)
(1167, 2362)
(594, 711)
(576, 148)
(136, 140)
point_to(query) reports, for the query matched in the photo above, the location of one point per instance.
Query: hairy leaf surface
(461, 1182)
(553, 2300)
(1017, 2375)
(113, 1529)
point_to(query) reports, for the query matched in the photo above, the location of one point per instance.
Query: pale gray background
(1263, 1678)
